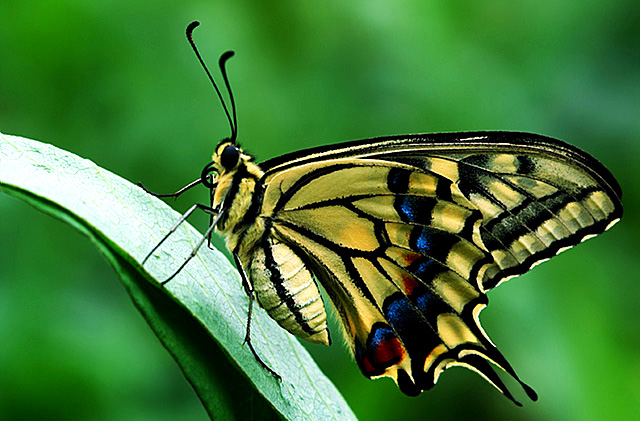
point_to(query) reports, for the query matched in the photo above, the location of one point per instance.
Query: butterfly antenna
(223, 59)
(222, 63)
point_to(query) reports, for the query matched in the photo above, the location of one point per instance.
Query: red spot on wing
(381, 355)
(387, 353)
(409, 283)
(409, 257)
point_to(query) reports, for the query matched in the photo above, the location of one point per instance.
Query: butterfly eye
(229, 157)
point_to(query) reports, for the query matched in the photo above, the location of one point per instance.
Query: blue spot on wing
(380, 335)
(398, 311)
(409, 207)
(424, 268)
(430, 304)
(418, 337)
(424, 300)
(424, 241)
(414, 209)
(432, 242)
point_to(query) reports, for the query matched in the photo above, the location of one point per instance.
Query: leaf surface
(200, 316)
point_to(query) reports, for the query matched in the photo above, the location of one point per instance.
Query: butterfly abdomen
(286, 290)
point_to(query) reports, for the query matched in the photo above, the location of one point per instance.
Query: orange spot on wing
(409, 283)
(409, 257)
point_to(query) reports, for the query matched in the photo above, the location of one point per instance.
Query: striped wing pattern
(407, 235)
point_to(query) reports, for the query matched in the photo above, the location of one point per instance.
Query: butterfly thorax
(238, 194)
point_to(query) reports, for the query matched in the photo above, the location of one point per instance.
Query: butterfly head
(231, 177)
(228, 158)
(225, 160)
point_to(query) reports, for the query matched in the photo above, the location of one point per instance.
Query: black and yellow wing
(407, 234)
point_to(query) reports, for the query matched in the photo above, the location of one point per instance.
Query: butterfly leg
(194, 251)
(214, 221)
(183, 218)
(248, 289)
(211, 216)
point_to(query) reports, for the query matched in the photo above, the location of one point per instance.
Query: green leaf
(200, 316)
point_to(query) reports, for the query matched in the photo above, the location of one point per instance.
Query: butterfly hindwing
(406, 235)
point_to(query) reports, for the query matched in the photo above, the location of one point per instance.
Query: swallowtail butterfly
(405, 233)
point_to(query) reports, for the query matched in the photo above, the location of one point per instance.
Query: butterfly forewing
(407, 234)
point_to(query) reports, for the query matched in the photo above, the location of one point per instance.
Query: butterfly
(406, 234)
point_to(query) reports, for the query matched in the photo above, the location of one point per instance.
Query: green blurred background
(116, 82)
